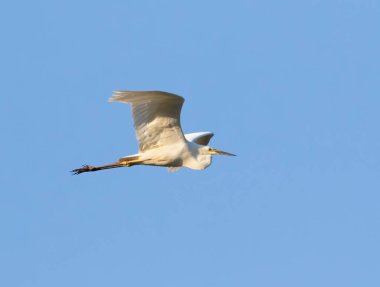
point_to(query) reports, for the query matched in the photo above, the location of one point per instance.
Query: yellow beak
(219, 152)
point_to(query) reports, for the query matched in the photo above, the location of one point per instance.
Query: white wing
(156, 117)
(202, 138)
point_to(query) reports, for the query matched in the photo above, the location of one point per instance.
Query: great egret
(156, 117)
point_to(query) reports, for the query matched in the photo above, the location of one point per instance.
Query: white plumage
(156, 117)
(202, 138)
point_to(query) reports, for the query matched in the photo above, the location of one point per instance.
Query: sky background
(291, 87)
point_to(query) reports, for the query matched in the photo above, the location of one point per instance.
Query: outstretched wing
(202, 138)
(156, 117)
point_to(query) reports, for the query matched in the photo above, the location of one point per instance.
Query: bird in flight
(156, 117)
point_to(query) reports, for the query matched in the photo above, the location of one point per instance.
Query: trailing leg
(123, 162)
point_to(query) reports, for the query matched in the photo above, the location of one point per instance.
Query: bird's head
(206, 150)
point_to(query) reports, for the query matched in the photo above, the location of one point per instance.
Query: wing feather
(202, 138)
(156, 117)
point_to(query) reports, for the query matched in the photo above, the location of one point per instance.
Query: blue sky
(291, 87)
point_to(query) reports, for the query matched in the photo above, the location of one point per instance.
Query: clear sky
(291, 87)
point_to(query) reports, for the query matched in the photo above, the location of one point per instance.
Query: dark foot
(84, 168)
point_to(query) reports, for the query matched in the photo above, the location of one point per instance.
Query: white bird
(156, 117)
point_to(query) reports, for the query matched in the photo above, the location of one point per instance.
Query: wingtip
(115, 96)
(129, 96)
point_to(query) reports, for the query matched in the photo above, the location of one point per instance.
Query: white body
(156, 117)
(177, 155)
